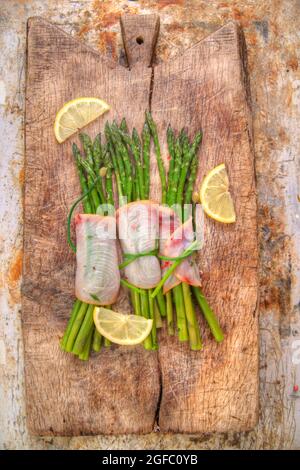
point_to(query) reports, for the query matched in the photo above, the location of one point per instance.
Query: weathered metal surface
(272, 34)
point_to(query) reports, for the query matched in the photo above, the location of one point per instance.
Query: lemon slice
(215, 197)
(120, 328)
(76, 114)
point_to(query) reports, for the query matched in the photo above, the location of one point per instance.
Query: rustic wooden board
(119, 391)
(216, 390)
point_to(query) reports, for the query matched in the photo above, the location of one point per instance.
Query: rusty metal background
(272, 33)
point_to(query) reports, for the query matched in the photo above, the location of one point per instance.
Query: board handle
(139, 33)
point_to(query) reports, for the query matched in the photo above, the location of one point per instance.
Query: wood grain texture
(139, 38)
(217, 389)
(111, 392)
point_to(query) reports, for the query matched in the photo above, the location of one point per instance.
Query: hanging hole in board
(140, 40)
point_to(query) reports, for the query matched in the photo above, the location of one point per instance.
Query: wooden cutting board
(130, 390)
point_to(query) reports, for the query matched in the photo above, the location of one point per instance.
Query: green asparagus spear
(208, 314)
(158, 320)
(159, 160)
(73, 316)
(87, 147)
(151, 315)
(172, 156)
(97, 153)
(145, 312)
(97, 341)
(116, 171)
(87, 204)
(180, 312)
(192, 324)
(170, 321)
(123, 154)
(85, 331)
(136, 151)
(146, 137)
(193, 169)
(123, 126)
(85, 354)
(76, 327)
(109, 196)
(186, 160)
(173, 187)
(96, 193)
(118, 162)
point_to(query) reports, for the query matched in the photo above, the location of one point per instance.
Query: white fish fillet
(138, 228)
(97, 272)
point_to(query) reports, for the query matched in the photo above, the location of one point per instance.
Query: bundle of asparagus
(179, 192)
(95, 176)
(181, 155)
(126, 159)
(131, 162)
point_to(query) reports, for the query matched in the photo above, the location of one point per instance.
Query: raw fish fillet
(138, 229)
(97, 272)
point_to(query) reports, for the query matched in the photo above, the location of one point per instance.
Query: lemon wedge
(76, 114)
(215, 197)
(120, 328)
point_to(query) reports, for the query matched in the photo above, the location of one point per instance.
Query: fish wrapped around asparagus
(168, 223)
(175, 238)
(138, 229)
(97, 272)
